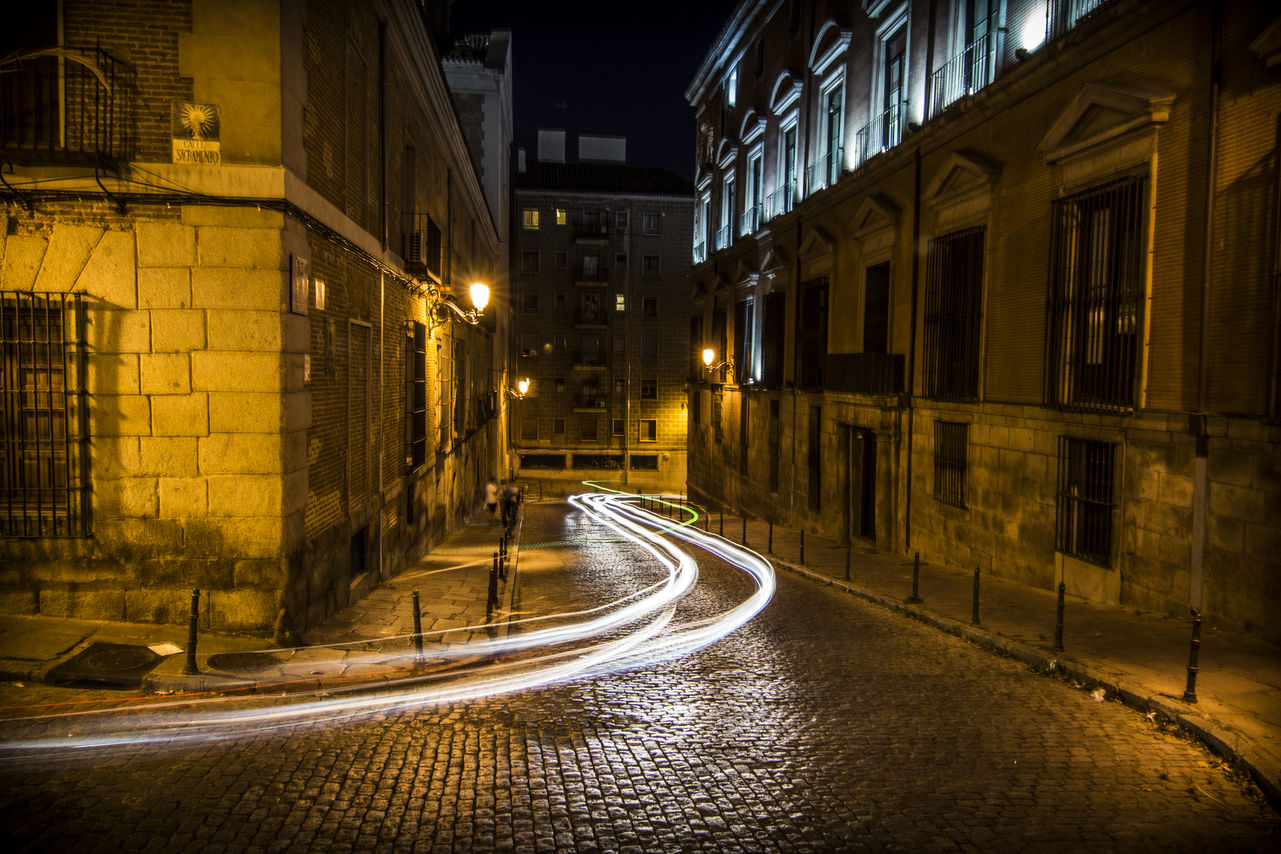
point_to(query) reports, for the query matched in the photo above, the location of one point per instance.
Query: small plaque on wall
(300, 292)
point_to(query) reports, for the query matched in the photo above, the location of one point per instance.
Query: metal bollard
(722, 521)
(974, 617)
(916, 578)
(707, 521)
(418, 632)
(770, 548)
(744, 537)
(849, 547)
(190, 666)
(802, 545)
(1058, 620)
(1189, 695)
(492, 600)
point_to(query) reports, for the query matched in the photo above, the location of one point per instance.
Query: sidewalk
(1136, 657)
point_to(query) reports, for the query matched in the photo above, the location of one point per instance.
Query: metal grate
(43, 459)
(953, 315)
(1096, 282)
(1086, 499)
(950, 440)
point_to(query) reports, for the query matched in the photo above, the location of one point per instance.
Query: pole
(1058, 620)
(1189, 695)
(916, 578)
(744, 538)
(770, 547)
(190, 667)
(492, 599)
(722, 521)
(802, 545)
(418, 632)
(974, 618)
(849, 547)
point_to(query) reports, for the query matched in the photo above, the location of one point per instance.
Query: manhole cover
(242, 661)
(112, 664)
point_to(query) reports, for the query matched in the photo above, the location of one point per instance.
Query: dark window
(618, 427)
(649, 389)
(649, 348)
(648, 430)
(558, 426)
(650, 266)
(43, 486)
(645, 462)
(620, 261)
(417, 396)
(542, 461)
(772, 337)
(950, 439)
(529, 261)
(876, 308)
(812, 335)
(529, 303)
(561, 302)
(589, 428)
(1086, 499)
(562, 259)
(558, 384)
(620, 220)
(1096, 296)
(953, 315)
(649, 306)
(745, 326)
(652, 223)
(529, 428)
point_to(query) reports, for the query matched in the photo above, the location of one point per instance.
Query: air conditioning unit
(416, 248)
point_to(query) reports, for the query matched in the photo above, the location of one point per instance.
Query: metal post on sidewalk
(974, 617)
(802, 545)
(916, 578)
(722, 521)
(418, 632)
(1058, 620)
(1189, 695)
(744, 538)
(707, 520)
(849, 547)
(190, 666)
(492, 599)
(770, 548)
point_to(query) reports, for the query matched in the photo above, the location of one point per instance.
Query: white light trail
(638, 629)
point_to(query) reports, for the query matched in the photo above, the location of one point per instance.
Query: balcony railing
(723, 237)
(589, 318)
(67, 108)
(750, 220)
(700, 252)
(1063, 15)
(780, 201)
(590, 276)
(882, 133)
(592, 400)
(864, 373)
(587, 229)
(964, 74)
(826, 170)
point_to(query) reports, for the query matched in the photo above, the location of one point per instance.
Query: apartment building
(600, 273)
(239, 353)
(996, 282)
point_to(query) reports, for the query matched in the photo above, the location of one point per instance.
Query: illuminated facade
(234, 234)
(601, 263)
(996, 281)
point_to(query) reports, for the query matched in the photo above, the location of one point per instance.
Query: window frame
(1085, 498)
(951, 457)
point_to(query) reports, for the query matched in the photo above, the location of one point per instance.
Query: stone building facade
(600, 266)
(232, 233)
(998, 281)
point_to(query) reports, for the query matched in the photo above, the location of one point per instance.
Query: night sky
(605, 67)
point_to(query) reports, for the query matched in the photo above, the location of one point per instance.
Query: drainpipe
(1197, 422)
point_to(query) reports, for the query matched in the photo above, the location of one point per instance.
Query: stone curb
(1215, 736)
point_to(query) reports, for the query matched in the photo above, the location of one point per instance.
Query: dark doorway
(863, 484)
(359, 549)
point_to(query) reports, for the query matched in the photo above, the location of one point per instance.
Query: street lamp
(522, 387)
(445, 303)
(709, 355)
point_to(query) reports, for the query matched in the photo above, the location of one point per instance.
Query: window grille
(1086, 499)
(953, 315)
(43, 461)
(417, 396)
(1096, 296)
(950, 440)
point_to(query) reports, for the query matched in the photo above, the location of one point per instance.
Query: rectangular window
(876, 309)
(950, 439)
(42, 409)
(558, 426)
(561, 302)
(953, 315)
(558, 384)
(649, 306)
(834, 133)
(1096, 296)
(417, 396)
(562, 216)
(529, 429)
(529, 303)
(645, 462)
(811, 333)
(754, 198)
(649, 348)
(620, 387)
(786, 171)
(620, 261)
(1086, 499)
(588, 428)
(648, 430)
(773, 331)
(745, 326)
(562, 259)
(724, 234)
(650, 267)
(731, 89)
(618, 427)
(652, 223)
(620, 302)
(529, 261)
(620, 220)
(528, 344)
(529, 219)
(649, 389)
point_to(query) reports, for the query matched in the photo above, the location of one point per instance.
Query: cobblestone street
(824, 724)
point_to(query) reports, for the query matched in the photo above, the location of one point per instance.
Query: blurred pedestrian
(491, 499)
(510, 496)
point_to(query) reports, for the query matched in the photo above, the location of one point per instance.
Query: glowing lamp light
(523, 386)
(708, 355)
(1032, 31)
(480, 295)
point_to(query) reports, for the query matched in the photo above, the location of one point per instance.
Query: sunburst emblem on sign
(198, 119)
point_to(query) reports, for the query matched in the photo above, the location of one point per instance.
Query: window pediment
(961, 191)
(1268, 44)
(787, 91)
(753, 127)
(775, 262)
(1101, 114)
(874, 213)
(745, 274)
(817, 244)
(830, 45)
(726, 153)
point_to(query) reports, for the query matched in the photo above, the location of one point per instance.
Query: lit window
(620, 302)
(530, 219)
(562, 216)
(731, 89)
